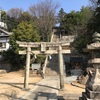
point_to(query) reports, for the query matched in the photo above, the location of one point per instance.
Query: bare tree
(95, 3)
(15, 12)
(44, 13)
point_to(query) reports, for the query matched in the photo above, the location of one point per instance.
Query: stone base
(2, 71)
(90, 95)
(96, 87)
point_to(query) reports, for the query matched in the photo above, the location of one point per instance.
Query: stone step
(80, 98)
(2, 71)
(93, 94)
(52, 69)
(52, 66)
(84, 97)
(70, 97)
(53, 63)
(51, 72)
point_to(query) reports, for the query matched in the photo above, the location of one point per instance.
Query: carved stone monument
(93, 85)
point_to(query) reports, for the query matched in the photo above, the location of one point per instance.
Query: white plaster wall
(7, 46)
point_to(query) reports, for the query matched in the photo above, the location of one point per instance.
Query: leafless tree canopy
(44, 13)
(95, 3)
(15, 12)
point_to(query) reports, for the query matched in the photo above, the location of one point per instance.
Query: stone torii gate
(43, 49)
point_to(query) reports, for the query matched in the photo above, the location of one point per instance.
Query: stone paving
(47, 89)
(70, 79)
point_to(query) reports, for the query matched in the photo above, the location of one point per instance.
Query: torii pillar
(27, 68)
(43, 50)
(61, 68)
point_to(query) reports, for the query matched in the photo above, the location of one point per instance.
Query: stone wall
(5, 66)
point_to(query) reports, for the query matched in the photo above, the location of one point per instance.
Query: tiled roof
(6, 32)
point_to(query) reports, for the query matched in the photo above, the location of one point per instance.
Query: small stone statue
(82, 79)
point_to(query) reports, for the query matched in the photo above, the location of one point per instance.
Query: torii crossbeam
(43, 49)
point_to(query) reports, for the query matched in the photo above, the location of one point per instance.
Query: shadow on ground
(45, 96)
(15, 84)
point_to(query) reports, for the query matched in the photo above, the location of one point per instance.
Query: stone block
(84, 97)
(96, 87)
(92, 94)
(2, 71)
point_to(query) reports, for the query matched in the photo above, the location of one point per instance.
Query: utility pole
(26, 78)
(61, 69)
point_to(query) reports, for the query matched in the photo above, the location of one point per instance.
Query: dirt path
(72, 92)
(11, 85)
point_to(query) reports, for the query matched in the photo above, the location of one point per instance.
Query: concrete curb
(73, 83)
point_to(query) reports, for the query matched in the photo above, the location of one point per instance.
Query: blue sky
(67, 5)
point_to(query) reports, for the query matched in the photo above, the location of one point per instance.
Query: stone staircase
(52, 68)
(55, 38)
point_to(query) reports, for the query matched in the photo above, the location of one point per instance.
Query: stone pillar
(27, 68)
(61, 68)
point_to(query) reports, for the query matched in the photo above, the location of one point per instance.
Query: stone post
(61, 69)
(27, 68)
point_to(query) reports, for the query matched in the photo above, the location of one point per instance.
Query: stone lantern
(93, 85)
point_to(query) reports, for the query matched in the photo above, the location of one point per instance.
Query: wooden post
(61, 69)
(27, 68)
